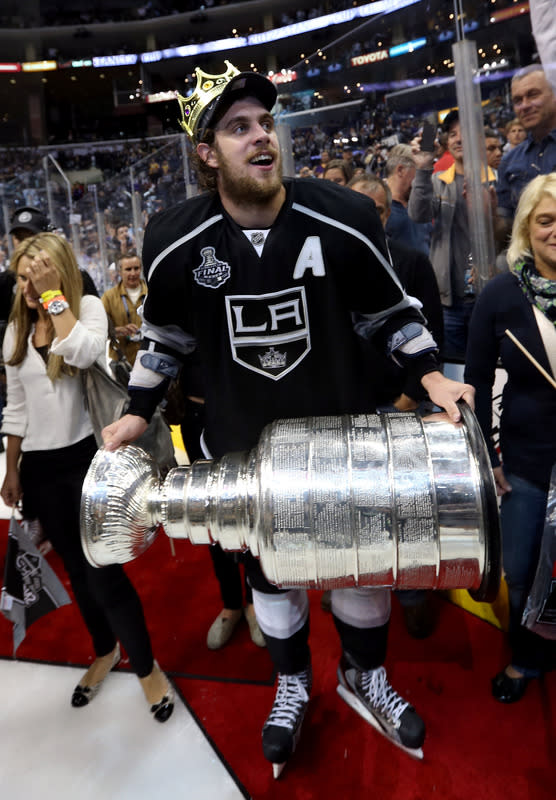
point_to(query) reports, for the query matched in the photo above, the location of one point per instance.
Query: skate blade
(353, 701)
(277, 770)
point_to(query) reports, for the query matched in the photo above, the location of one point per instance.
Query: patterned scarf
(538, 290)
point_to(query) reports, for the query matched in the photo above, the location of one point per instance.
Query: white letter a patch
(310, 258)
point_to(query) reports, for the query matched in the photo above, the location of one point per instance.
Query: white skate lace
(290, 698)
(381, 695)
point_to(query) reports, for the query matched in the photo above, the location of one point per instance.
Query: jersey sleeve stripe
(182, 240)
(171, 336)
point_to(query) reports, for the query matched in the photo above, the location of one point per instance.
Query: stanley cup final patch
(269, 333)
(212, 272)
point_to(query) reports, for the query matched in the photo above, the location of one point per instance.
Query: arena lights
(160, 97)
(285, 76)
(84, 62)
(407, 47)
(224, 44)
(338, 18)
(151, 57)
(38, 66)
(122, 60)
(494, 65)
(508, 13)
(188, 50)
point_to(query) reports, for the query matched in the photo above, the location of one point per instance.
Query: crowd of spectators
(100, 176)
(57, 13)
(105, 201)
(60, 14)
(373, 133)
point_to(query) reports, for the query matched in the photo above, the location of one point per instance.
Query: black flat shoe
(163, 710)
(508, 690)
(82, 694)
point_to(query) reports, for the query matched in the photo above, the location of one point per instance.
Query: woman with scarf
(505, 311)
(53, 332)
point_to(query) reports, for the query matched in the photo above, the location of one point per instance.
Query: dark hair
(206, 176)
(339, 163)
(450, 119)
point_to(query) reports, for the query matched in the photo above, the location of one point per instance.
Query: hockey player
(273, 281)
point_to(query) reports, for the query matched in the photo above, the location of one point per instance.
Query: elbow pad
(162, 363)
(411, 341)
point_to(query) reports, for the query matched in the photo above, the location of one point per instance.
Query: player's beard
(246, 189)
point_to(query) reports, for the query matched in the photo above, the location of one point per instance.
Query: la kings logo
(211, 273)
(269, 333)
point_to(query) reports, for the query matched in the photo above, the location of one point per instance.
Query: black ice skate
(370, 694)
(282, 728)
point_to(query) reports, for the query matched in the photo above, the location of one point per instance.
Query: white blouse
(45, 414)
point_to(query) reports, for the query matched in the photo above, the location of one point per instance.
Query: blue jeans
(522, 516)
(456, 326)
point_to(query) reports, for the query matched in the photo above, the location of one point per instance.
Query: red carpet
(476, 749)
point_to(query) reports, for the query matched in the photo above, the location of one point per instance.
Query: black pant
(228, 573)
(111, 609)
(192, 427)
(226, 565)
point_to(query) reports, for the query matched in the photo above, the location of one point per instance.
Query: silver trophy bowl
(325, 502)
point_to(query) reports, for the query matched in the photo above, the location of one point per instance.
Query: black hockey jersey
(275, 333)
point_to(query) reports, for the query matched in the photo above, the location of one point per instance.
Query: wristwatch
(56, 307)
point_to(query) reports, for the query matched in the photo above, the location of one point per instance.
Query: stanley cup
(324, 502)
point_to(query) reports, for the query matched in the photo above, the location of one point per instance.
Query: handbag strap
(548, 336)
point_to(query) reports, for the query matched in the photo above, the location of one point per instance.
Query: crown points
(273, 359)
(208, 88)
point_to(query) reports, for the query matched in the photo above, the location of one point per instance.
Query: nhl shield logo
(211, 273)
(269, 333)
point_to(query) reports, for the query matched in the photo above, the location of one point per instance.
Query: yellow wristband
(50, 294)
(50, 300)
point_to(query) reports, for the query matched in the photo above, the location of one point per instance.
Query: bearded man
(272, 281)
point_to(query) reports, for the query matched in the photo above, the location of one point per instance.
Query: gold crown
(208, 88)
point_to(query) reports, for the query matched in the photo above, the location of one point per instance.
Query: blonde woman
(510, 302)
(53, 332)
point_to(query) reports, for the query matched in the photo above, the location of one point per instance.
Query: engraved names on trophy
(413, 510)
